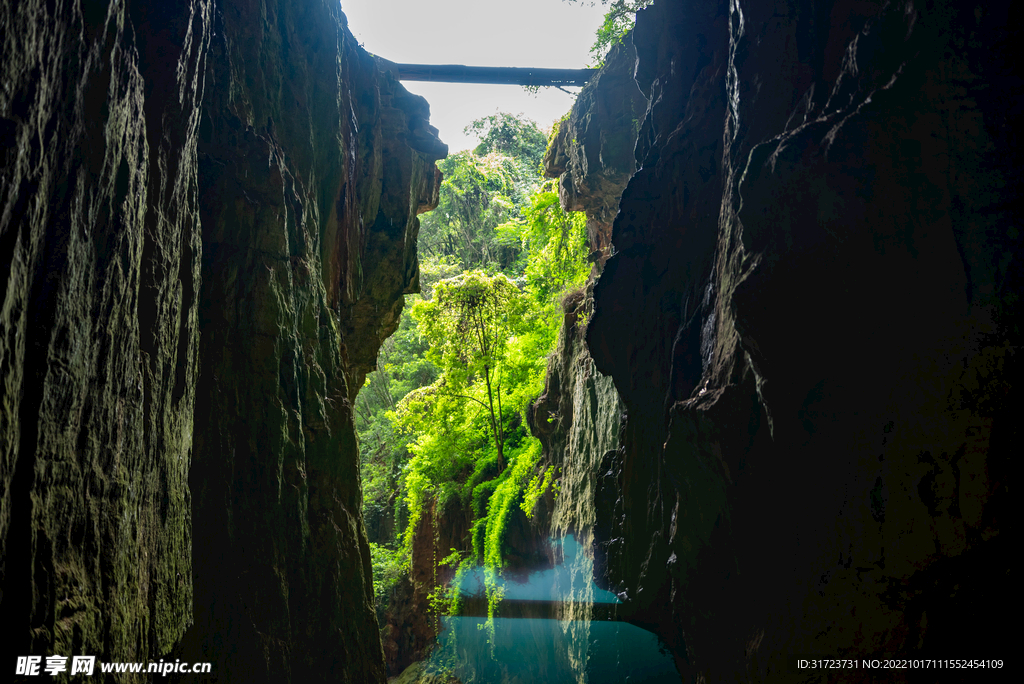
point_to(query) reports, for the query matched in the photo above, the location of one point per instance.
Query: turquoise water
(546, 649)
(532, 650)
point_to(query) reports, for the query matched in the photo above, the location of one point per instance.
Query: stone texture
(310, 193)
(420, 673)
(592, 153)
(810, 316)
(410, 625)
(99, 269)
(577, 419)
(208, 221)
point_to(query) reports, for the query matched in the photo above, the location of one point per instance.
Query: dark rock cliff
(99, 270)
(208, 221)
(810, 314)
(789, 430)
(592, 153)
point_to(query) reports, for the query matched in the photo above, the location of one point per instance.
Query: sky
(512, 33)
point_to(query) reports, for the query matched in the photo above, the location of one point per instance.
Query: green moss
(536, 488)
(508, 496)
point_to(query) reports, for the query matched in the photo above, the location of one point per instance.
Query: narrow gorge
(778, 419)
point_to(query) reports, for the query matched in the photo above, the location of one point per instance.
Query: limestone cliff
(208, 221)
(592, 153)
(810, 316)
(99, 270)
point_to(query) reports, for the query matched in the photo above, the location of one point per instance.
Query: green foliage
(507, 497)
(433, 269)
(401, 367)
(469, 323)
(483, 189)
(448, 422)
(388, 567)
(511, 136)
(481, 493)
(618, 21)
(442, 419)
(556, 242)
(477, 194)
(538, 484)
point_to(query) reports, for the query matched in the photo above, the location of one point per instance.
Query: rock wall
(579, 416)
(99, 270)
(410, 624)
(208, 221)
(592, 153)
(810, 315)
(578, 420)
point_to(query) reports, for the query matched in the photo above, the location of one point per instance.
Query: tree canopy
(468, 324)
(511, 136)
(482, 190)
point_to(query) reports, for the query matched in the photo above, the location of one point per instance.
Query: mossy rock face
(420, 672)
(309, 194)
(208, 222)
(99, 281)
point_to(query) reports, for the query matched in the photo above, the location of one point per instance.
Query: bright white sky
(513, 33)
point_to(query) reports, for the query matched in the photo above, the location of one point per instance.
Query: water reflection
(533, 650)
(545, 642)
(553, 584)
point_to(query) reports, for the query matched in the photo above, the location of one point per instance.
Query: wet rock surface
(99, 275)
(790, 428)
(592, 153)
(208, 223)
(810, 317)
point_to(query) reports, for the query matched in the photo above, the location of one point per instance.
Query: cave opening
(471, 580)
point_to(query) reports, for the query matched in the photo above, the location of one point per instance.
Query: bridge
(459, 73)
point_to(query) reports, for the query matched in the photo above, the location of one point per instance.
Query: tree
(468, 324)
(483, 189)
(478, 193)
(556, 245)
(512, 136)
(618, 21)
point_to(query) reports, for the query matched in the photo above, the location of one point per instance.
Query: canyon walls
(209, 220)
(782, 409)
(99, 270)
(809, 313)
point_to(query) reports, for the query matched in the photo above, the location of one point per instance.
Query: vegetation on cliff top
(618, 21)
